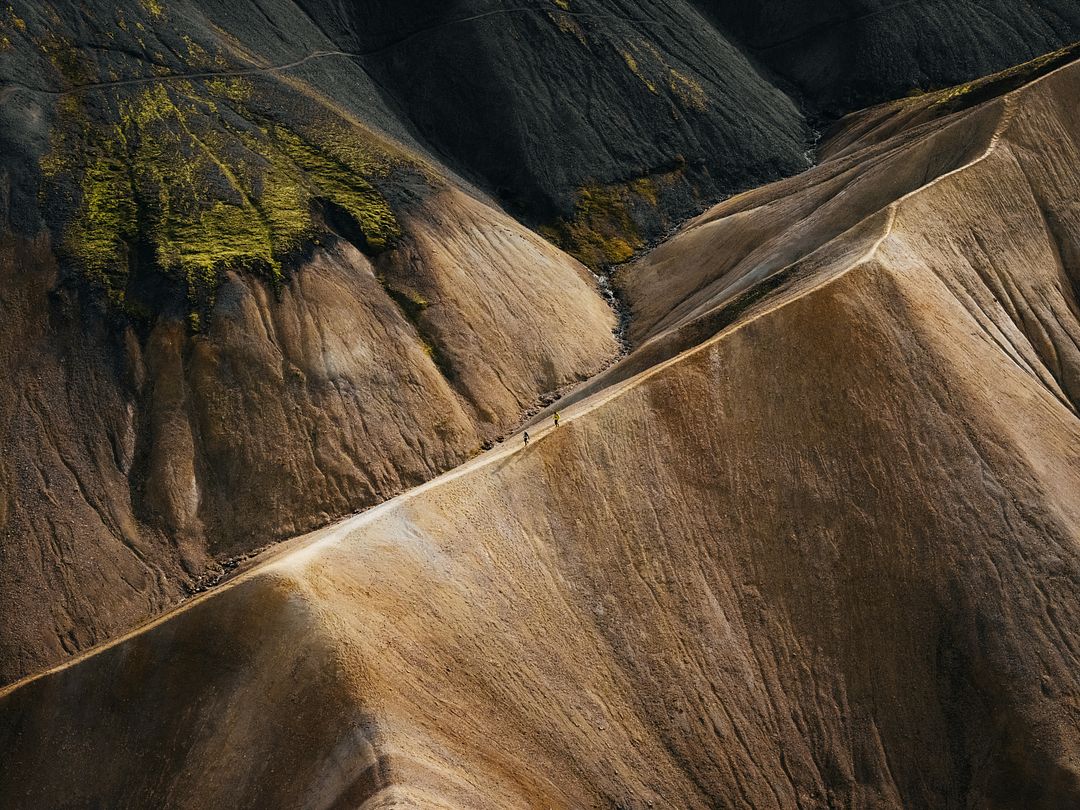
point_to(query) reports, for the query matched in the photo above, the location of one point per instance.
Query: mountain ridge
(244, 304)
(847, 503)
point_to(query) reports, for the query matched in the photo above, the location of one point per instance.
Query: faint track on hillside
(298, 551)
(9, 85)
(826, 25)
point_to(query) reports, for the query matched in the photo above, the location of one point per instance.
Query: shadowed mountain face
(266, 263)
(843, 54)
(814, 543)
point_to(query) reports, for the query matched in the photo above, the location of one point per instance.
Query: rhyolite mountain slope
(601, 122)
(814, 543)
(266, 263)
(233, 312)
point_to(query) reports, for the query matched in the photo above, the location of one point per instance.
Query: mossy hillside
(189, 178)
(635, 68)
(336, 176)
(603, 230)
(153, 7)
(567, 24)
(646, 63)
(11, 26)
(649, 66)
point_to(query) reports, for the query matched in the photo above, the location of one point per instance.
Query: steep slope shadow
(846, 54)
(600, 121)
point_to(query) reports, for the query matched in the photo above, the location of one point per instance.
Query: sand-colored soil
(816, 543)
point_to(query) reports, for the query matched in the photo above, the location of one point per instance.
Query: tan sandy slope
(132, 464)
(816, 543)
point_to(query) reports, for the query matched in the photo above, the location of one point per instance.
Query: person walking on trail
(526, 438)
(557, 417)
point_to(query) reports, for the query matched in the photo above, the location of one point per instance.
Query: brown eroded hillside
(814, 543)
(265, 263)
(144, 460)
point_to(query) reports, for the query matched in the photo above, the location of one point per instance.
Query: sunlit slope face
(235, 310)
(826, 556)
(882, 158)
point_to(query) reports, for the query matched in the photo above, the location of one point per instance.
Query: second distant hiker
(556, 417)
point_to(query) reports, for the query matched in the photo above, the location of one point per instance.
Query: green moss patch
(10, 24)
(568, 25)
(336, 178)
(648, 65)
(188, 181)
(603, 230)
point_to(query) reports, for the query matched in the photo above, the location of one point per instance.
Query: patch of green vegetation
(409, 301)
(563, 4)
(687, 89)
(945, 96)
(647, 63)
(603, 230)
(645, 187)
(105, 226)
(154, 8)
(67, 60)
(568, 25)
(632, 63)
(189, 183)
(200, 58)
(336, 180)
(17, 22)
(233, 89)
(964, 96)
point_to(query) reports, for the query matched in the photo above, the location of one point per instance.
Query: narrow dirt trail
(298, 551)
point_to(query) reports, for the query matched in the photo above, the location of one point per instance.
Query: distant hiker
(556, 418)
(526, 438)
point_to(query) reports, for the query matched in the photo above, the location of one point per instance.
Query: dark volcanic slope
(547, 103)
(843, 54)
(617, 119)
